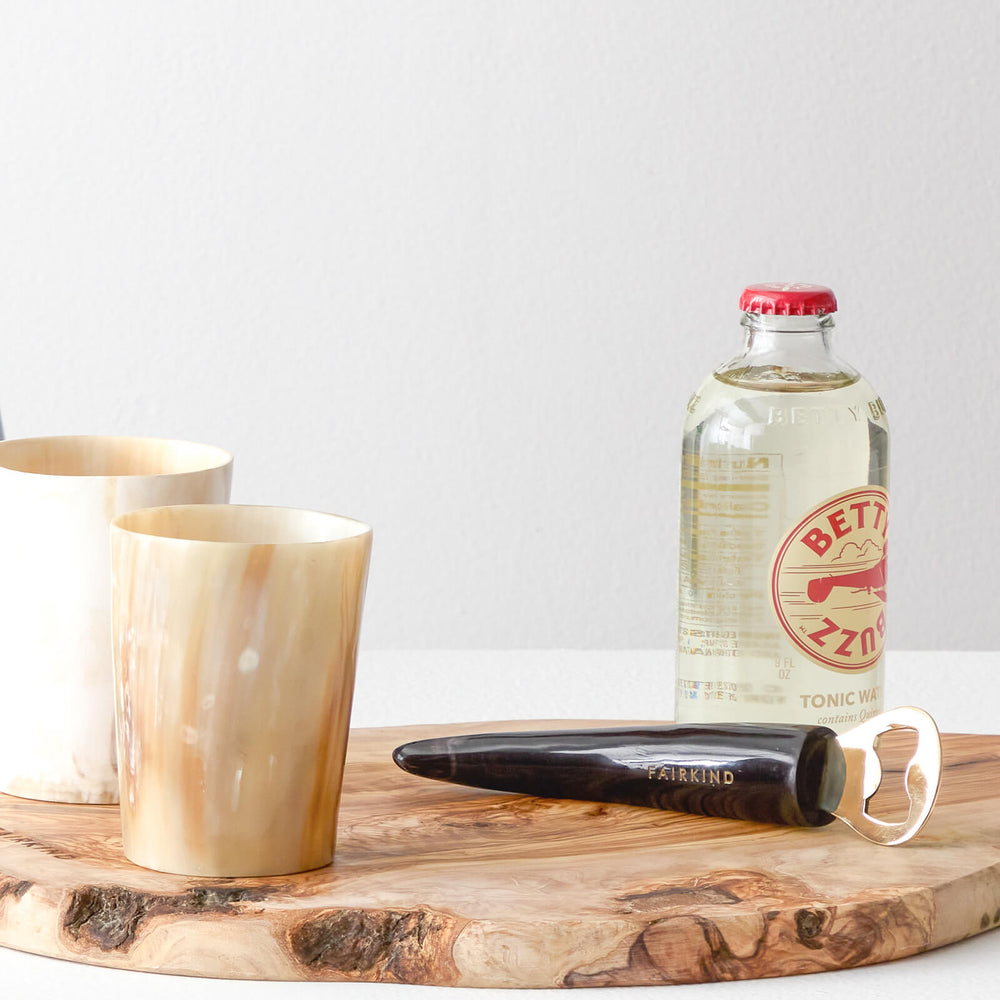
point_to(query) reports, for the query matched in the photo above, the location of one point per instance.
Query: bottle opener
(791, 775)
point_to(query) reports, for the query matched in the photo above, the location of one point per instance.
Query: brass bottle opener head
(864, 775)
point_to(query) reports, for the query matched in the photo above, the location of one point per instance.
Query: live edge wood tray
(451, 886)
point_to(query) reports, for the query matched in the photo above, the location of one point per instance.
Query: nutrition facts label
(729, 515)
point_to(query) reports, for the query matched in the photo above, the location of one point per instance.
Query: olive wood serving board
(444, 885)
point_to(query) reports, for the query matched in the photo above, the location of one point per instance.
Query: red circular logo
(828, 580)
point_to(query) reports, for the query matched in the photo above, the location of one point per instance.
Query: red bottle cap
(788, 300)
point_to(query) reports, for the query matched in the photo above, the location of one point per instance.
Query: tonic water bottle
(784, 511)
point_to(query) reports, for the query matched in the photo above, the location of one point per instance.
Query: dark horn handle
(790, 775)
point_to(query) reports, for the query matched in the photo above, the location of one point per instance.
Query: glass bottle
(784, 509)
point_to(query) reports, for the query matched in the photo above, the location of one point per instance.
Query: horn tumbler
(57, 498)
(235, 637)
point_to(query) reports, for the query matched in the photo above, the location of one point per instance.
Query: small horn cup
(235, 639)
(57, 498)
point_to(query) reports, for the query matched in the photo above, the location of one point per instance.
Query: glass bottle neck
(786, 324)
(787, 354)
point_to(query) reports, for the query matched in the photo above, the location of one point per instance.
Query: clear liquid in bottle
(784, 510)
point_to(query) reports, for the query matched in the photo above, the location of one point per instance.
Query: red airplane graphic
(872, 580)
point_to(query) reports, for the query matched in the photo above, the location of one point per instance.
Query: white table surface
(961, 690)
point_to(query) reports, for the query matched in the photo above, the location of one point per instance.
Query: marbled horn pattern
(235, 638)
(57, 498)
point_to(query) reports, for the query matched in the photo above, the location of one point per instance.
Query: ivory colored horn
(235, 638)
(57, 498)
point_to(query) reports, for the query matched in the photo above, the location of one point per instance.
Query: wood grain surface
(444, 885)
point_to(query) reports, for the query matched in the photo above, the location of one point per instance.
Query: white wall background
(455, 267)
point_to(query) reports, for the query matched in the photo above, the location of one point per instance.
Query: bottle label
(828, 580)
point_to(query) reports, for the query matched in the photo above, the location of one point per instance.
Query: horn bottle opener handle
(791, 775)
